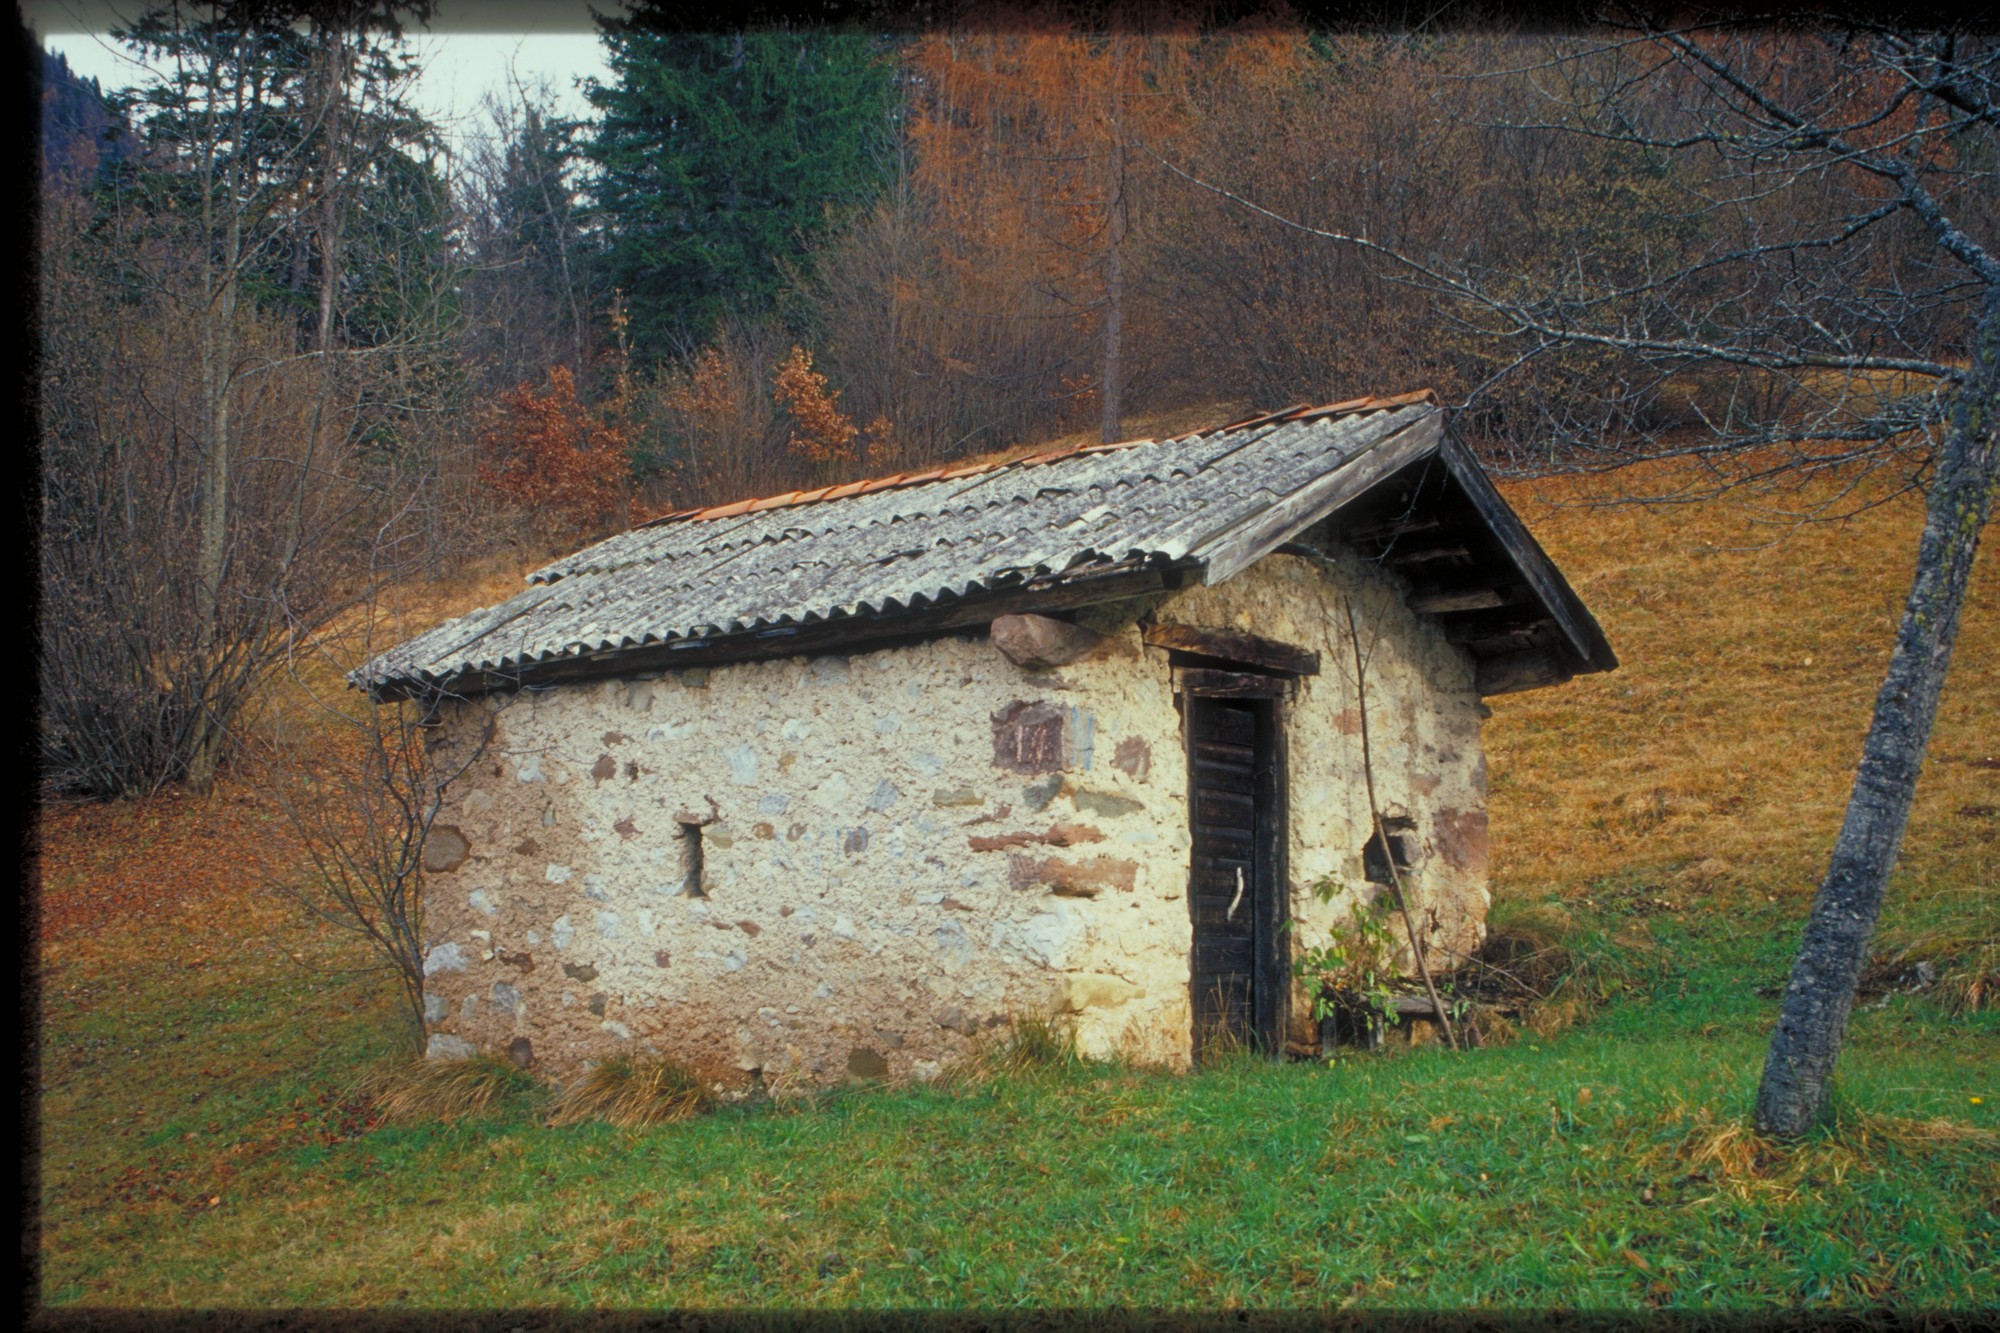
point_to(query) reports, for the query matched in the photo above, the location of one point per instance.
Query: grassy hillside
(203, 1143)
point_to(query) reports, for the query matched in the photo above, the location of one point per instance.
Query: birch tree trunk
(1798, 1071)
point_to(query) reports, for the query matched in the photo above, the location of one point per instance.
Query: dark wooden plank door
(1235, 894)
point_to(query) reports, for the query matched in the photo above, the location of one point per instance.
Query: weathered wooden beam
(1540, 573)
(1456, 599)
(1212, 684)
(1425, 554)
(1379, 532)
(1496, 622)
(1519, 671)
(1233, 645)
(1488, 630)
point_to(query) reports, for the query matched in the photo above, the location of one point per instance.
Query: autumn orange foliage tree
(820, 432)
(1025, 138)
(558, 459)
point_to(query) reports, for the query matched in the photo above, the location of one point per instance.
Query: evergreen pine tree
(721, 157)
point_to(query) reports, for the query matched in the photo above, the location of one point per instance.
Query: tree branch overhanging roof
(911, 554)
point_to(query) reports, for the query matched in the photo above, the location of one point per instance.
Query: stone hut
(828, 784)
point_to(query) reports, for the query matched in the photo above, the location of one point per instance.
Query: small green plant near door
(1354, 970)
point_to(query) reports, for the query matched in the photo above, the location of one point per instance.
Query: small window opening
(1376, 856)
(691, 860)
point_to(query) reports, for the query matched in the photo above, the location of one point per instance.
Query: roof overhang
(1468, 562)
(1412, 500)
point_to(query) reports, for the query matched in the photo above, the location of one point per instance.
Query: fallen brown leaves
(204, 860)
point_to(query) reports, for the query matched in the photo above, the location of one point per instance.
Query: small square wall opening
(1377, 856)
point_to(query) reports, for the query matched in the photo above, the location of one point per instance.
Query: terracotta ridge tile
(897, 480)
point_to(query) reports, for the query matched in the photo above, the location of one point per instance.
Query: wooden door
(1238, 970)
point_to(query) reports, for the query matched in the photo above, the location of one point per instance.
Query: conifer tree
(721, 157)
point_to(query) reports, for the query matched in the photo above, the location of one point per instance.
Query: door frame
(1271, 972)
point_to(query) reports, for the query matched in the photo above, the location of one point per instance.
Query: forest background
(296, 345)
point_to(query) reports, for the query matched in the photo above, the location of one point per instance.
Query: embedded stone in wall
(954, 946)
(1059, 835)
(522, 1052)
(1463, 839)
(445, 849)
(1091, 990)
(1038, 795)
(1028, 737)
(1072, 879)
(444, 1046)
(1133, 757)
(446, 957)
(1045, 938)
(1042, 643)
(1104, 803)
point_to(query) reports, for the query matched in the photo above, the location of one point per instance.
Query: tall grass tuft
(1037, 1041)
(1033, 1043)
(1961, 939)
(444, 1090)
(633, 1094)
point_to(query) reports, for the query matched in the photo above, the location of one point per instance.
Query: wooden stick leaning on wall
(1382, 828)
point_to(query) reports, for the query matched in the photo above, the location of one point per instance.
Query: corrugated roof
(918, 540)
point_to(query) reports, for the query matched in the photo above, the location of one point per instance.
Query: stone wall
(853, 867)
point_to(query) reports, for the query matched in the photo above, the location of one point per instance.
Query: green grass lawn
(198, 1150)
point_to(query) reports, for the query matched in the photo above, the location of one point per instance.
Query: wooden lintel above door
(1209, 683)
(1233, 646)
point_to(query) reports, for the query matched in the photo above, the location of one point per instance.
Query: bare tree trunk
(1114, 333)
(1111, 386)
(331, 62)
(218, 370)
(1798, 1072)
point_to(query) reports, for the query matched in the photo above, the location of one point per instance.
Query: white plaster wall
(850, 925)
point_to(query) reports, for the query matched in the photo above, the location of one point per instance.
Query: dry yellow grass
(633, 1094)
(443, 1090)
(1715, 763)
